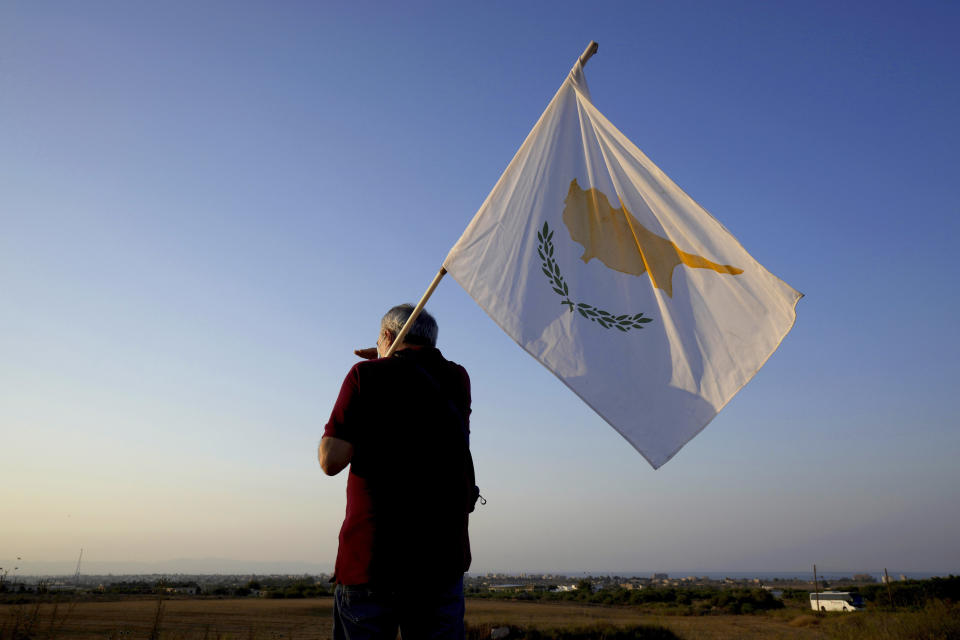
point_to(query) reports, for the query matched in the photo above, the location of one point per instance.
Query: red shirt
(404, 519)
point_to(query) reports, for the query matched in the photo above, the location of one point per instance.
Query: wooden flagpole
(586, 55)
(588, 52)
(416, 312)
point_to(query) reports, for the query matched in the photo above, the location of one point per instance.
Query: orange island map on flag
(605, 271)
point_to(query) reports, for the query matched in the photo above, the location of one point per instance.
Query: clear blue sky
(205, 208)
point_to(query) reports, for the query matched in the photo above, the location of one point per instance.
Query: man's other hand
(334, 454)
(367, 354)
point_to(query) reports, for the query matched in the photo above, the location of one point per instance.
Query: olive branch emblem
(605, 319)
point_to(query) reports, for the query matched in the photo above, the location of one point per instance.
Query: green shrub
(938, 620)
(745, 601)
(913, 594)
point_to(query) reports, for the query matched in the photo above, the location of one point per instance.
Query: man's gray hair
(423, 332)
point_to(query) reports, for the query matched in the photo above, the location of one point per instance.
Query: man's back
(407, 419)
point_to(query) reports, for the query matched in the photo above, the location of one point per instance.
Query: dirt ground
(310, 619)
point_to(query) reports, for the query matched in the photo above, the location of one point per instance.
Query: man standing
(402, 424)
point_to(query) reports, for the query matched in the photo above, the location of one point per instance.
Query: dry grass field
(187, 619)
(555, 615)
(310, 619)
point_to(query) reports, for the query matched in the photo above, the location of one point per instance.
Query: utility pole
(886, 578)
(76, 574)
(816, 587)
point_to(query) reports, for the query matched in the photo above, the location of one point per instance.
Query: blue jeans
(364, 612)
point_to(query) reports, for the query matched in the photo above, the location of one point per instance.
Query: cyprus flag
(605, 271)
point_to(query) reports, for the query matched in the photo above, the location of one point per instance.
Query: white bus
(836, 601)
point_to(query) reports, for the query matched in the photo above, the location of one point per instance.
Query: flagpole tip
(588, 52)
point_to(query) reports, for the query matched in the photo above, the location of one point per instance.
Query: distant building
(61, 587)
(191, 590)
(660, 576)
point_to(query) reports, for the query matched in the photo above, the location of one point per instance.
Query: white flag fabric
(605, 271)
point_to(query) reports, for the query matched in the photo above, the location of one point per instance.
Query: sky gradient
(205, 209)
